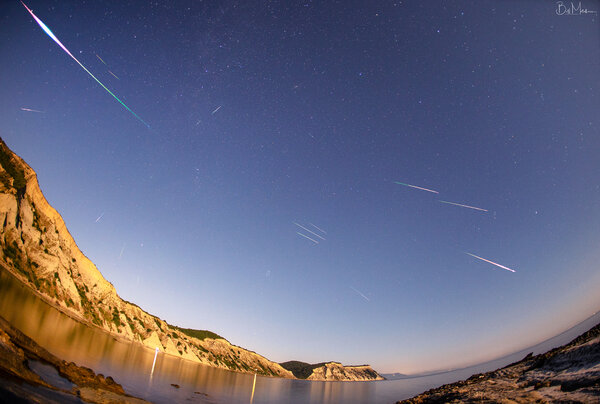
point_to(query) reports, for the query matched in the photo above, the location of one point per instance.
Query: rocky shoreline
(568, 374)
(19, 355)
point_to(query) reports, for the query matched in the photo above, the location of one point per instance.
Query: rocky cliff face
(331, 371)
(36, 246)
(334, 371)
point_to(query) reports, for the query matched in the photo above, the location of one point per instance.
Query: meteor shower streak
(318, 228)
(55, 39)
(416, 187)
(31, 110)
(305, 236)
(491, 262)
(311, 232)
(463, 206)
(365, 297)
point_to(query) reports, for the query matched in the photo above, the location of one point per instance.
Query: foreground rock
(570, 374)
(18, 382)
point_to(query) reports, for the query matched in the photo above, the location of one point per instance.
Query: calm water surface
(130, 364)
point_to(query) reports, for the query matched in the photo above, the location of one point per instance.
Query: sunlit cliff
(36, 247)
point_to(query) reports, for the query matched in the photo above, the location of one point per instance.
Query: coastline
(20, 356)
(39, 251)
(86, 323)
(496, 384)
(120, 338)
(569, 373)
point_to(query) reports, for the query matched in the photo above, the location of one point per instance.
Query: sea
(170, 379)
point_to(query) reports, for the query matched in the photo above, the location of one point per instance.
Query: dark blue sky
(266, 114)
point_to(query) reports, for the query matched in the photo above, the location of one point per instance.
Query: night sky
(265, 116)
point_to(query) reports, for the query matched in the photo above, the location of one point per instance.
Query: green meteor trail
(55, 39)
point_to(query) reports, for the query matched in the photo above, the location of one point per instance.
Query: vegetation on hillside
(200, 334)
(301, 370)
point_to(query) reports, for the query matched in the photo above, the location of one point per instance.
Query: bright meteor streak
(55, 39)
(490, 262)
(31, 110)
(314, 241)
(416, 187)
(311, 232)
(463, 206)
(318, 228)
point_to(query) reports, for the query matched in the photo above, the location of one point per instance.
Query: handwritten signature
(572, 9)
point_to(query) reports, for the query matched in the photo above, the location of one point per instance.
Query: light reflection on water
(130, 364)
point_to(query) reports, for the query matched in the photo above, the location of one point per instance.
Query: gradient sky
(263, 114)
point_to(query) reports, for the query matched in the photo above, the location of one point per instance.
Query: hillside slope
(37, 247)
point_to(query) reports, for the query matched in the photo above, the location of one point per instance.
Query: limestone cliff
(36, 246)
(334, 371)
(331, 371)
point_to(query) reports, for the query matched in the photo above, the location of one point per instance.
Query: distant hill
(331, 371)
(395, 376)
(301, 370)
